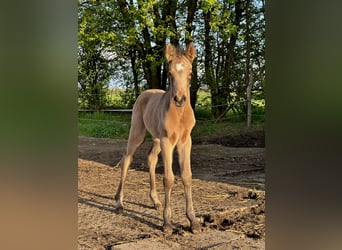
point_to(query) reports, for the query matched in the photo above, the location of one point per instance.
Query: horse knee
(187, 179)
(168, 181)
(152, 157)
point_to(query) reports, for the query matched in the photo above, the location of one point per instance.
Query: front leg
(167, 150)
(184, 152)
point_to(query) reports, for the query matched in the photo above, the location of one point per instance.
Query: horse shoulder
(188, 122)
(189, 119)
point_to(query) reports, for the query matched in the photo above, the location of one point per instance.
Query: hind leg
(152, 162)
(136, 137)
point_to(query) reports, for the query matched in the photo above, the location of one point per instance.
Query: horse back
(147, 100)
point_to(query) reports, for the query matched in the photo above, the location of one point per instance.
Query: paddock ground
(228, 196)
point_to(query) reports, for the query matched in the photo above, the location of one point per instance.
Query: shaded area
(234, 165)
(245, 139)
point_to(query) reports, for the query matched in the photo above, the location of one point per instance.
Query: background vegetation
(121, 53)
(116, 124)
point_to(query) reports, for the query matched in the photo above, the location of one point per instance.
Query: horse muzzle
(179, 101)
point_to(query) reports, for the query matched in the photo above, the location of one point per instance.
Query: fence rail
(199, 106)
(197, 119)
(106, 110)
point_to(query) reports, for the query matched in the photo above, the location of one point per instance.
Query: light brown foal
(169, 118)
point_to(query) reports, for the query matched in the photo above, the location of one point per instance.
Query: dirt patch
(228, 193)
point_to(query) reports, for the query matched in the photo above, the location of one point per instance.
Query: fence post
(249, 100)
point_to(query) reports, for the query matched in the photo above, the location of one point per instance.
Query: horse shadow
(109, 156)
(110, 153)
(106, 206)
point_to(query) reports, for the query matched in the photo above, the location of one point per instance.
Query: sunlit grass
(117, 125)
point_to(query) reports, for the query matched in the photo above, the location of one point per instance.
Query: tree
(249, 73)
(222, 22)
(126, 39)
(95, 66)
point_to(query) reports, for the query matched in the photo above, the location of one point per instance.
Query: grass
(104, 125)
(114, 125)
(117, 125)
(211, 129)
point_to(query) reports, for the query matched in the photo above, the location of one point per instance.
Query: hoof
(167, 229)
(118, 206)
(158, 206)
(119, 210)
(196, 228)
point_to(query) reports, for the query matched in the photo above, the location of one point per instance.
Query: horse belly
(152, 118)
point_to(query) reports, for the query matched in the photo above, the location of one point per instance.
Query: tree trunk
(94, 102)
(155, 78)
(208, 59)
(192, 4)
(135, 73)
(249, 100)
(164, 76)
(194, 85)
(249, 75)
(219, 103)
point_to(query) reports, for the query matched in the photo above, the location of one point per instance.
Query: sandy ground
(228, 196)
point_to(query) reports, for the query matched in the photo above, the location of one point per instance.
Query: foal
(169, 118)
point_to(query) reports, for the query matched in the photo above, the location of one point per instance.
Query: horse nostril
(179, 103)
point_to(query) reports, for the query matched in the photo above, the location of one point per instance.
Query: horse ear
(191, 52)
(169, 52)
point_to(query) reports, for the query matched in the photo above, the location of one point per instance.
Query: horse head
(180, 70)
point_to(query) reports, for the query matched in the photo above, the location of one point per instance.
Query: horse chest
(178, 128)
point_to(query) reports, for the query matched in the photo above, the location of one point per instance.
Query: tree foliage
(124, 40)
